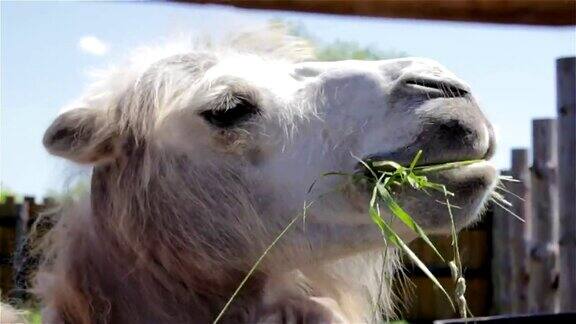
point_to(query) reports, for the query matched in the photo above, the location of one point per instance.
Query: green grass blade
(384, 164)
(404, 217)
(257, 263)
(415, 160)
(396, 240)
(454, 237)
(460, 292)
(444, 167)
(366, 166)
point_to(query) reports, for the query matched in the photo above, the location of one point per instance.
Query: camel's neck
(160, 248)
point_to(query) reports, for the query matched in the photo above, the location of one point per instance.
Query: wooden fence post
(543, 286)
(8, 219)
(566, 106)
(501, 259)
(519, 231)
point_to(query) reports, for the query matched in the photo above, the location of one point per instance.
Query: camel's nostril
(445, 89)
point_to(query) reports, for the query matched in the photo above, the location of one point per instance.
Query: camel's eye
(241, 111)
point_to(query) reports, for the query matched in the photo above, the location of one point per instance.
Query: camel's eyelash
(241, 111)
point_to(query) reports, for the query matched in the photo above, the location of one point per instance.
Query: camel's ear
(82, 135)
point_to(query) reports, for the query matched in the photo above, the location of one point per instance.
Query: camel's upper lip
(405, 155)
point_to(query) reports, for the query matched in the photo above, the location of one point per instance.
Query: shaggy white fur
(202, 155)
(9, 315)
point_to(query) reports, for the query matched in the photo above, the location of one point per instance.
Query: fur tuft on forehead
(271, 43)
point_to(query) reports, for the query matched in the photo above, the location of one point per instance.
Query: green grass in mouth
(384, 175)
(384, 166)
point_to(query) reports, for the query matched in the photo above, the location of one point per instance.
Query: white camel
(201, 156)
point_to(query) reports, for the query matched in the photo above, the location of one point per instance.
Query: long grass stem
(257, 263)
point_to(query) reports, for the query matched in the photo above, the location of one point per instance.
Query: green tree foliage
(5, 193)
(349, 50)
(339, 49)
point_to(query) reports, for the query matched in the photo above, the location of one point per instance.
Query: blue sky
(47, 48)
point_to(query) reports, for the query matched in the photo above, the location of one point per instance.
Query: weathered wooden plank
(543, 296)
(501, 256)
(519, 231)
(566, 104)
(8, 211)
(532, 12)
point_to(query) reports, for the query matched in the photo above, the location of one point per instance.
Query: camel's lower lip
(472, 169)
(480, 173)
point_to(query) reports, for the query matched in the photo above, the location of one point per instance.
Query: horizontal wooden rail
(530, 12)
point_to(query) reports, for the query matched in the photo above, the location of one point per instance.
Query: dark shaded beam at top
(527, 12)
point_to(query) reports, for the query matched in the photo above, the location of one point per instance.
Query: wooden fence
(535, 260)
(16, 220)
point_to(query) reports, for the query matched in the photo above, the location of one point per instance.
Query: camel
(202, 155)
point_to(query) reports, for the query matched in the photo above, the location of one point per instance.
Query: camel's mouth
(383, 163)
(470, 182)
(476, 176)
(375, 163)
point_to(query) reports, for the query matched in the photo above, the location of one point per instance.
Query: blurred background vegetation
(338, 49)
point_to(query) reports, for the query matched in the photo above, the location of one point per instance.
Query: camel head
(240, 137)
(280, 125)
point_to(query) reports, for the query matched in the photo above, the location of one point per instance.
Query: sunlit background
(49, 48)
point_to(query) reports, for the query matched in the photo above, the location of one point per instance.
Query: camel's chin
(471, 184)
